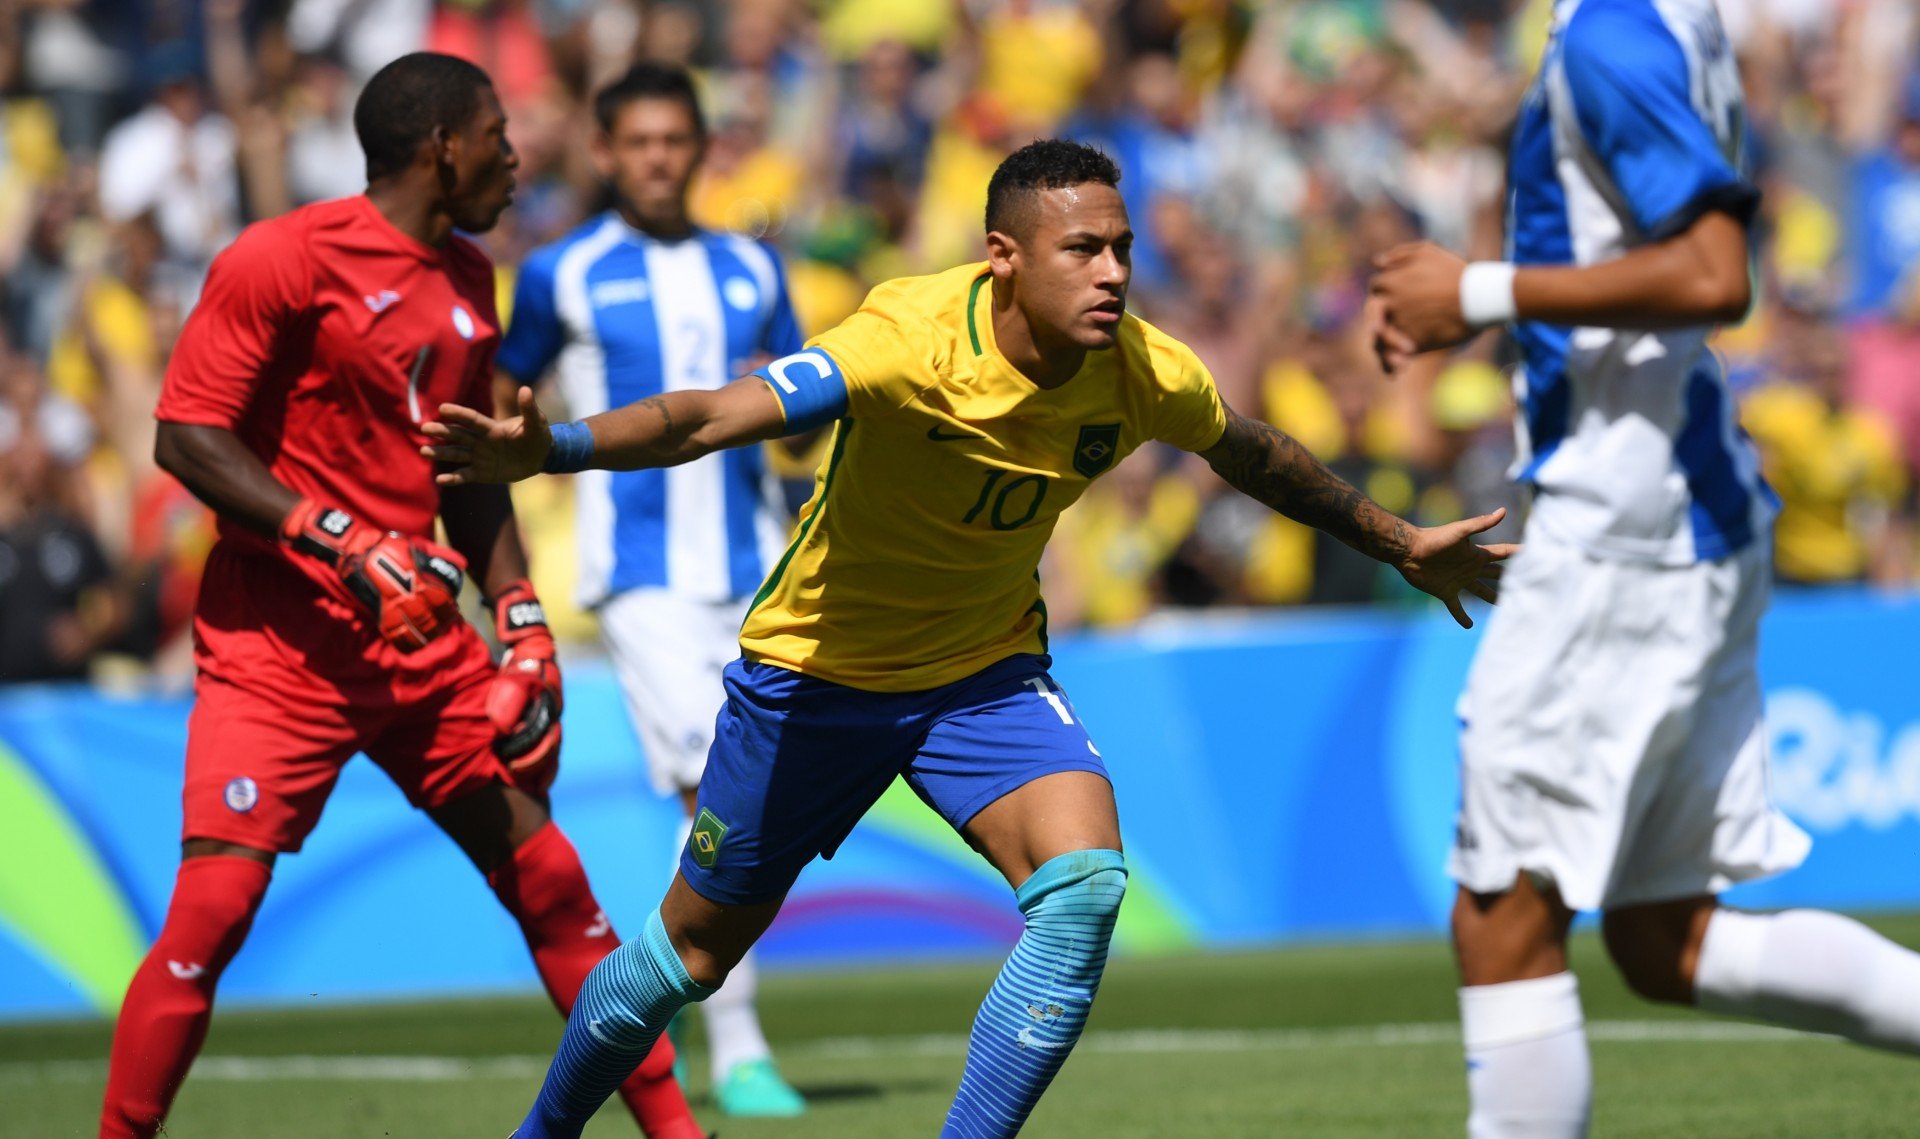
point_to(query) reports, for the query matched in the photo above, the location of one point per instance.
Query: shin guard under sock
(623, 1008)
(1034, 1012)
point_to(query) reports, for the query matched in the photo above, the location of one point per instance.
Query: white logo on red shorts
(241, 794)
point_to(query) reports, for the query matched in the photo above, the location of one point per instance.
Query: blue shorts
(797, 760)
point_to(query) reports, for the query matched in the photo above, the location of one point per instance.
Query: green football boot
(754, 1089)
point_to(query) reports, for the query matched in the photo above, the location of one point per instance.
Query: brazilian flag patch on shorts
(708, 832)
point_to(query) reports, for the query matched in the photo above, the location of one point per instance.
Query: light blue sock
(1038, 1004)
(623, 1005)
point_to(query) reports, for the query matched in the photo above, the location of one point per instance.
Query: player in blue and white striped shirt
(635, 303)
(1613, 754)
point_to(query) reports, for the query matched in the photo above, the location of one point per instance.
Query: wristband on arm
(1486, 293)
(572, 449)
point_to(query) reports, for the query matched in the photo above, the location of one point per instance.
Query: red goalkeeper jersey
(324, 339)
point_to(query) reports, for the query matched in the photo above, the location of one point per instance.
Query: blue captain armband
(810, 387)
(572, 449)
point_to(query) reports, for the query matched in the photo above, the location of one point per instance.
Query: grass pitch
(1341, 1041)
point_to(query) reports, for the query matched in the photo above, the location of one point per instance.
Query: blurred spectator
(1211, 313)
(1037, 57)
(38, 282)
(1885, 302)
(367, 34)
(29, 413)
(1836, 468)
(1261, 178)
(850, 27)
(323, 154)
(1472, 409)
(58, 603)
(1147, 126)
(110, 331)
(769, 54)
(748, 184)
(966, 149)
(884, 135)
(1367, 457)
(1450, 180)
(73, 55)
(501, 36)
(174, 158)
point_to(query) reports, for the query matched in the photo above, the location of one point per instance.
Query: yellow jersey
(1834, 469)
(916, 562)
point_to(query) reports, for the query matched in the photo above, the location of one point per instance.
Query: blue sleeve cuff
(572, 449)
(516, 369)
(810, 387)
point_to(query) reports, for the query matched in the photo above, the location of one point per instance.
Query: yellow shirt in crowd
(1828, 465)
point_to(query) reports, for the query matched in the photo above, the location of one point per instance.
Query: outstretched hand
(1415, 295)
(1446, 562)
(478, 448)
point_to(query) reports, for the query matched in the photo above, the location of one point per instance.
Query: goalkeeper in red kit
(327, 622)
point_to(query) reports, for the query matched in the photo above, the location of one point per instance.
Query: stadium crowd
(1270, 149)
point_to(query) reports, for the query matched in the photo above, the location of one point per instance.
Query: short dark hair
(648, 81)
(406, 100)
(1045, 164)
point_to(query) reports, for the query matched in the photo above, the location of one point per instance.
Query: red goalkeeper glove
(410, 586)
(525, 701)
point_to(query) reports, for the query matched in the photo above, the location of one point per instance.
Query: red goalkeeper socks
(545, 889)
(170, 1000)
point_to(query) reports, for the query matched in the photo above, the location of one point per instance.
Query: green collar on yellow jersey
(973, 306)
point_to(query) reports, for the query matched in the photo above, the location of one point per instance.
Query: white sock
(1528, 1076)
(1811, 970)
(733, 1027)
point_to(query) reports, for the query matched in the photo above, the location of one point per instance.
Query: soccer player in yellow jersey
(903, 633)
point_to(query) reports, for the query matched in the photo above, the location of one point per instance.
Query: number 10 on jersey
(1011, 506)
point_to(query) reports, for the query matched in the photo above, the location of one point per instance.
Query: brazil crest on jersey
(916, 562)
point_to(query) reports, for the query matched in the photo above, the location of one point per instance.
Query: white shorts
(668, 651)
(1612, 736)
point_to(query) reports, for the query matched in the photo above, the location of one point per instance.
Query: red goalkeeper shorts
(292, 684)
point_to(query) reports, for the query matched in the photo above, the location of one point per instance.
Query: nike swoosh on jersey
(939, 436)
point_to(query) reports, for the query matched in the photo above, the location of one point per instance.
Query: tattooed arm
(661, 431)
(1270, 466)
